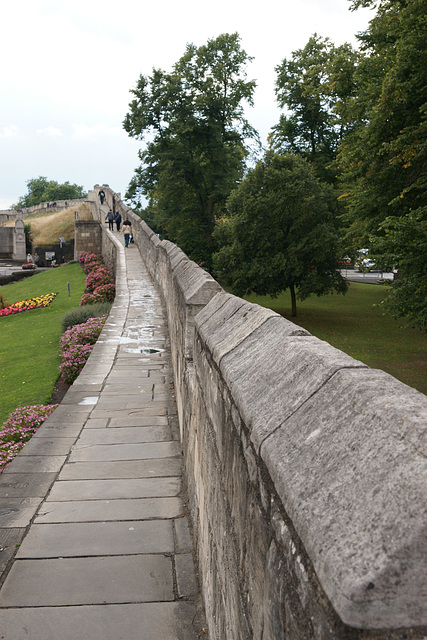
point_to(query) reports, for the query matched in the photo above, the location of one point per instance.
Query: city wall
(306, 469)
(50, 207)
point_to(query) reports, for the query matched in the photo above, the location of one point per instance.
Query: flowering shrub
(87, 298)
(76, 346)
(89, 260)
(18, 429)
(100, 285)
(25, 305)
(93, 263)
(105, 293)
(100, 276)
(86, 255)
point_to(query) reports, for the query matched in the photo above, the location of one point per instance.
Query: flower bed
(99, 280)
(25, 305)
(18, 429)
(76, 346)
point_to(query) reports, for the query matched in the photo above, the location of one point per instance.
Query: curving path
(94, 539)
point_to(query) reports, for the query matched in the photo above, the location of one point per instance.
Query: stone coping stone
(146, 229)
(272, 372)
(101, 622)
(227, 320)
(350, 468)
(195, 284)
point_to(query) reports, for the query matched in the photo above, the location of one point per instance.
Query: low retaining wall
(306, 470)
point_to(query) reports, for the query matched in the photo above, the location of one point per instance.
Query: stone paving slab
(152, 621)
(34, 464)
(128, 404)
(185, 576)
(110, 489)
(152, 468)
(10, 539)
(47, 447)
(23, 485)
(17, 512)
(110, 510)
(125, 435)
(64, 430)
(125, 451)
(102, 580)
(97, 539)
(137, 421)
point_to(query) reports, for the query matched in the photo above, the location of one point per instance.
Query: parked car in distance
(365, 264)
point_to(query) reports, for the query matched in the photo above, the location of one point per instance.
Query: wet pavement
(93, 529)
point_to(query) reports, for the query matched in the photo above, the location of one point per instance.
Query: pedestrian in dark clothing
(110, 218)
(118, 220)
(101, 194)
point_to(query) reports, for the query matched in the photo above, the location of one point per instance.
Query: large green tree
(383, 161)
(43, 190)
(196, 140)
(314, 86)
(280, 233)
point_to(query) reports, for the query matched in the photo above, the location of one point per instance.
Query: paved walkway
(92, 508)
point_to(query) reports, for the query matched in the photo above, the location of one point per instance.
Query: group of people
(126, 227)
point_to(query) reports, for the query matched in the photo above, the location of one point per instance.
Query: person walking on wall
(101, 194)
(126, 230)
(118, 220)
(110, 218)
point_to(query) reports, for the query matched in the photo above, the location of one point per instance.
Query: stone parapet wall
(306, 470)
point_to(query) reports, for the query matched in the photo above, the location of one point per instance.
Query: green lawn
(29, 341)
(355, 325)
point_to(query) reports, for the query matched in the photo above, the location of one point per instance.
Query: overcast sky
(68, 66)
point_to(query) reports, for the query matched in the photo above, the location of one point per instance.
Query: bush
(18, 429)
(93, 263)
(87, 299)
(76, 346)
(81, 314)
(105, 293)
(100, 276)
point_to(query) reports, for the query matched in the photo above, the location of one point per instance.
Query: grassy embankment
(48, 227)
(354, 324)
(29, 341)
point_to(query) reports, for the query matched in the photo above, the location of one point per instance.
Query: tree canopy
(383, 160)
(280, 233)
(314, 85)
(196, 140)
(43, 190)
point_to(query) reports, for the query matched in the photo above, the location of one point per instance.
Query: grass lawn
(29, 341)
(353, 324)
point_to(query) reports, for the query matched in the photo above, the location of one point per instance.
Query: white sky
(68, 66)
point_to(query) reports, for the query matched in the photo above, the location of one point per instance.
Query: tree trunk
(293, 300)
